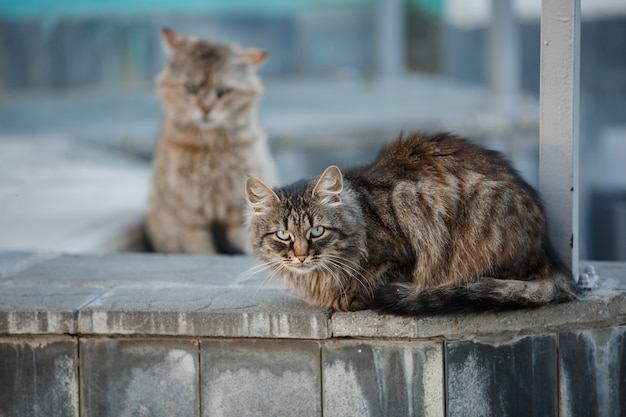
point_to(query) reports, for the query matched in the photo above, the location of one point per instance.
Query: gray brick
(139, 377)
(38, 377)
(593, 372)
(368, 378)
(517, 378)
(260, 378)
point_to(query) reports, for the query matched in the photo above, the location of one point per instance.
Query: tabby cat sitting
(209, 143)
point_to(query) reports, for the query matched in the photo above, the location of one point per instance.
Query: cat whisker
(352, 273)
(335, 277)
(272, 267)
(274, 272)
(256, 269)
(361, 280)
(347, 263)
(353, 270)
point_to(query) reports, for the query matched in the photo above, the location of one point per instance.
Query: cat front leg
(348, 303)
(351, 299)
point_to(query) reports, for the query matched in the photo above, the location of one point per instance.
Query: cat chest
(207, 182)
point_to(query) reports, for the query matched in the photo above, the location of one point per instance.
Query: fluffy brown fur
(435, 224)
(209, 143)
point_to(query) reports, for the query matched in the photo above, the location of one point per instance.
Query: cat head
(308, 225)
(205, 83)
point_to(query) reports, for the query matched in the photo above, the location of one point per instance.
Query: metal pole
(503, 58)
(558, 150)
(390, 42)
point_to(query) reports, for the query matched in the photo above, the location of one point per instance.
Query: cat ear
(255, 56)
(260, 196)
(171, 40)
(329, 186)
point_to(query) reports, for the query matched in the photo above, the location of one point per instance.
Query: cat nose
(301, 258)
(204, 108)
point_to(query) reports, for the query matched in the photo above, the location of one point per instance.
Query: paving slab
(200, 311)
(455, 326)
(604, 306)
(128, 378)
(149, 268)
(39, 377)
(154, 294)
(11, 262)
(42, 309)
(223, 296)
(260, 378)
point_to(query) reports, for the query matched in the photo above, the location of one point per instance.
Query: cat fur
(434, 225)
(209, 143)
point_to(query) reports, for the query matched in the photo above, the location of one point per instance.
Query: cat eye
(191, 89)
(283, 235)
(221, 92)
(317, 231)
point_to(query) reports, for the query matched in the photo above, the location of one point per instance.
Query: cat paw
(349, 303)
(357, 304)
(342, 303)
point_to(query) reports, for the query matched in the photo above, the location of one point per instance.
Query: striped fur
(435, 224)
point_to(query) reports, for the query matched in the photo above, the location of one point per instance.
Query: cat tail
(486, 294)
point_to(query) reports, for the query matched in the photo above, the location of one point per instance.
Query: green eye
(317, 231)
(223, 91)
(283, 235)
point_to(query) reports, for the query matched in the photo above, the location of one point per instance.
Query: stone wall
(153, 335)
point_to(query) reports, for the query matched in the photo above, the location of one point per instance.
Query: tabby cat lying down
(434, 225)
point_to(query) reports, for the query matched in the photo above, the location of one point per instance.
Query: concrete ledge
(145, 334)
(145, 294)
(219, 296)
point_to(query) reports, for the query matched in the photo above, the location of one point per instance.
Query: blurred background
(79, 117)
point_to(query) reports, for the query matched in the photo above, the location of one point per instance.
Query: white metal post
(558, 150)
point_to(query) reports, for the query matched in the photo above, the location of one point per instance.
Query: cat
(434, 225)
(209, 143)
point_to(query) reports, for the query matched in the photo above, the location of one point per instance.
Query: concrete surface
(260, 378)
(39, 377)
(150, 294)
(148, 334)
(218, 296)
(383, 378)
(515, 379)
(129, 378)
(592, 365)
(57, 193)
